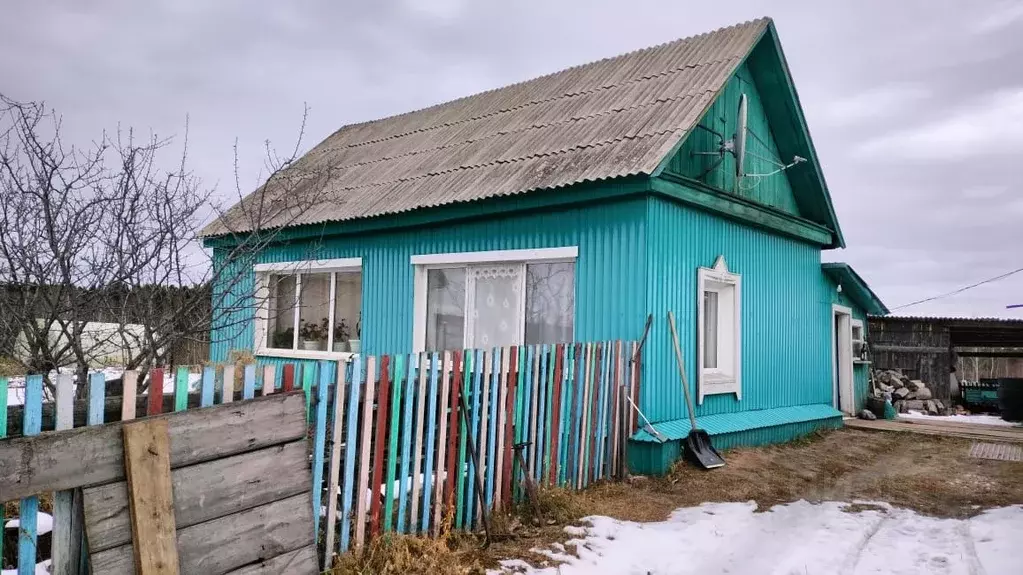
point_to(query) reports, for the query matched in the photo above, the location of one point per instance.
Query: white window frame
(858, 342)
(298, 269)
(425, 262)
(727, 376)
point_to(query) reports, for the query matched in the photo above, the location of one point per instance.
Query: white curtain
(497, 315)
(710, 329)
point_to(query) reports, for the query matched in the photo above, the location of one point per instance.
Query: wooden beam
(701, 196)
(989, 353)
(203, 492)
(150, 499)
(93, 455)
(226, 544)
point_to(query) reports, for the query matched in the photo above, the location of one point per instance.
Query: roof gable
(855, 287)
(778, 131)
(612, 118)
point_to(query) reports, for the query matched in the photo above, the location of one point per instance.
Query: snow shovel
(697, 449)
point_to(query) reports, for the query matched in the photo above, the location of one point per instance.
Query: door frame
(842, 381)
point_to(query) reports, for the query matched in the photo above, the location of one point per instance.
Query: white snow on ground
(44, 523)
(795, 539)
(982, 419)
(42, 568)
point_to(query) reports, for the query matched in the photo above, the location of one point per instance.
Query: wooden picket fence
(401, 449)
(391, 448)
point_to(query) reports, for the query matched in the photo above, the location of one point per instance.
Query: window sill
(305, 354)
(862, 361)
(714, 378)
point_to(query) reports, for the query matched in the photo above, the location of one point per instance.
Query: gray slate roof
(616, 117)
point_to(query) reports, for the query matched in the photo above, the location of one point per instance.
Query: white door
(842, 360)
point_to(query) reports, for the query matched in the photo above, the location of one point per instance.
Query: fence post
(350, 439)
(3, 434)
(63, 501)
(429, 471)
(335, 464)
(319, 440)
(406, 443)
(181, 389)
(28, 515)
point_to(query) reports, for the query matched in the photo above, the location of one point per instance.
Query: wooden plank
(615, 413)
(227, 394)
(592, 414)
(554, 455)
(150, 500)
(206, 386)
(463, 438)
(62, 562)
(288, 382)
(181, 389)
(365, 490)
(451, 456)
(269, 379)
(28, 513)
(500, 423)
(225, 544)
(418, 473)
(406, 444)
(308, 379)
(492, 417)
(442, 450)
(429, 472)
(389, 414)
(484, 435)
(129, 392)
(508, 447)
(521, 409)
(351, 435)
(598, 459)
(547, 371)
(532, 367)
(249, 382)
(636, 371)
(319, 438)
(334, 475)
(471, 441)
(155, 405)
(203, 492)
(92, 455)
(299, 562)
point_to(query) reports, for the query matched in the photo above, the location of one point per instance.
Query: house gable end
(777, 134)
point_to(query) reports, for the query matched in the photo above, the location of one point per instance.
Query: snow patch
(981, 419)
(797, 538)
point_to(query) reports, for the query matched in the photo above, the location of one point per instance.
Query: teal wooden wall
(609, 271)
(775, 190)
(786, 312)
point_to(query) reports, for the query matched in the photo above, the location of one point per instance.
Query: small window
(858, 343)
(494, 299)
(719, 335)
(309, 306)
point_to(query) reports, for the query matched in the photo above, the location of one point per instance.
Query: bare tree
(100, 248)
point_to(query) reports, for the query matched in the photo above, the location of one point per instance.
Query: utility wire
(961, 290)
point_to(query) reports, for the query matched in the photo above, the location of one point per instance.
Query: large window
(309, 307)
(719, 331)
(494, 299)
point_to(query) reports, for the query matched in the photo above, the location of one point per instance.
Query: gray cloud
(916, 107)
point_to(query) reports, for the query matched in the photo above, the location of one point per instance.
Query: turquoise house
(567, 208)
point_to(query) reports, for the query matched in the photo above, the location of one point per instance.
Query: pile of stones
(906, 394)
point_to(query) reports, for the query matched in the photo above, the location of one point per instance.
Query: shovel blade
(700, 452)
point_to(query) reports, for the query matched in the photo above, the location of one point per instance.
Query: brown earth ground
(929, 474)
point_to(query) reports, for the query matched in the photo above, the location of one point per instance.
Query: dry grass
(932, 475)
(400, 554)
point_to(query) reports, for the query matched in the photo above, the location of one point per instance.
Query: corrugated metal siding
(609, 272)
(774, 190)
(785, 312)
(777, 434)
(725, 423)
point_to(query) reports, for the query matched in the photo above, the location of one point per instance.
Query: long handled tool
(476, 469)
(697, 449)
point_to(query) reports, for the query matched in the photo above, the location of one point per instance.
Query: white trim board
(842, 378)
(720, 380)
(463, 258)
(304, 266)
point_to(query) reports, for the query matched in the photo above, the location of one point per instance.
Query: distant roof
(855, 287)
(954, 319)
(612, 118)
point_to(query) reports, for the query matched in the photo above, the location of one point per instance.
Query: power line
(960, 290)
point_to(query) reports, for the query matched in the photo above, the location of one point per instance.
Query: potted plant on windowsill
(314, 335)
(284, 339)
(341, 335)
(355, 345)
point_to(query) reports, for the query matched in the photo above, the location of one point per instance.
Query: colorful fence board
(390, 448)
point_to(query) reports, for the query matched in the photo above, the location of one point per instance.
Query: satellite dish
(739, 139)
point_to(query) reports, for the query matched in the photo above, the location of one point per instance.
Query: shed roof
(616, 117)
(855, 287)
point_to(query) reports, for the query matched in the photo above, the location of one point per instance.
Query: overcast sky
(915, 107)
